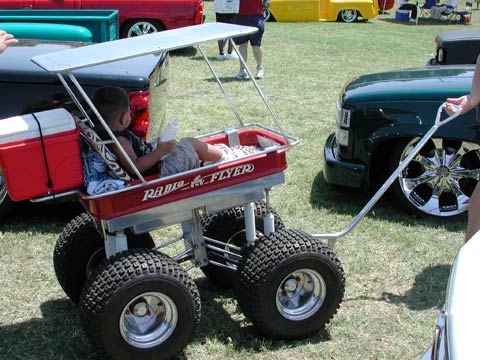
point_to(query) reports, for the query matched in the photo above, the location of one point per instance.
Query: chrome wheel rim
(3, 189)
(141, 28)
(349, 15)
(301, 294)
(441, 177)
(266, 14)
(148, 320)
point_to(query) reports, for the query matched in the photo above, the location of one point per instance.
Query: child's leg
(206, 152)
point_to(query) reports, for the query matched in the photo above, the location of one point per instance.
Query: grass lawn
(396, 265)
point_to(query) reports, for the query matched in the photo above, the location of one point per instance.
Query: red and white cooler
(40, 154)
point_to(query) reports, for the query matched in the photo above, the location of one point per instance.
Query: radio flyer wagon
(137, 302)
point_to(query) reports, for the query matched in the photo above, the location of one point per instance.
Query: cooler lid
(25, 127)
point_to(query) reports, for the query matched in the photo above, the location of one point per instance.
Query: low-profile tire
(139, 304)
(79, 250)
(440, 179)
(229, 227)
(138, 27)
(348, 15)
(6, 204)
(290, 285)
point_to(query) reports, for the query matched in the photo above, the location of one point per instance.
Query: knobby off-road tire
(80, 248)
(289, 285)
(139, 304)
(229, 227)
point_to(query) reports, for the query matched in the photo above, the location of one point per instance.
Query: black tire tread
(116, 272)
(80, 238)
(212, 221)
(258, 263)
(219, 226)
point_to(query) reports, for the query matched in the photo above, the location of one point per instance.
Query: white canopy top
(105, 52)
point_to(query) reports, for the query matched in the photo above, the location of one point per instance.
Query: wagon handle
(332, 238)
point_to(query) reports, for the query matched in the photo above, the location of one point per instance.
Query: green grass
(396, 265)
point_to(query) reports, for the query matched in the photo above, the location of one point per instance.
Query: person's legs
(256, 43)
(257, 53)
(206, 152)
(221, 52)
(227, 19)
(243, 48)
(410, 7)
(414, 11)
(473, 224)
(231, 55)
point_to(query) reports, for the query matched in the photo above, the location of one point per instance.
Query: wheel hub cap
(301, 294)
(148, 320)
(441, 177)
(443, 172)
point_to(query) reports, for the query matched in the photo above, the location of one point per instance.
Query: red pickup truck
(137, 17)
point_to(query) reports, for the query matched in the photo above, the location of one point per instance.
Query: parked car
(384, 5)
(63, 25)
(26, 88)
(380, 118)
(455, 336)
(456, 47)
(316, 10)
(135, 18)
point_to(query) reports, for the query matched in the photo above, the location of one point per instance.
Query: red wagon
(135, 301)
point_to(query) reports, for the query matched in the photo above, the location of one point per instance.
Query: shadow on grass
(421, 22)
(427, 292)
(232, 329)
(351, 202)
(43, 217)
(58, 333)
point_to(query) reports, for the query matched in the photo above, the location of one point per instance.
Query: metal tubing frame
(332, 238)
(257, 87)
(104, 124)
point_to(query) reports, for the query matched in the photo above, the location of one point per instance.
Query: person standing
(250, 13)
(225, 10)
(405, 5)
(469, 102)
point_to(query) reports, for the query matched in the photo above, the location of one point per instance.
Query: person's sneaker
(232, 56)
(242, 75)
(260, 72)
(412, 20)
(221, 57)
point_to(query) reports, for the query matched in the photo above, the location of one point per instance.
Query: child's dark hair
(111, 101)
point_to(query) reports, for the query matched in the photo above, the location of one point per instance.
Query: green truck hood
(432, 83)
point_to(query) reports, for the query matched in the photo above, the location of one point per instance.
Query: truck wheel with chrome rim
(140, 304)
(289, 285)
(6, 204)
(140, 27)
(348, 15)
(440, 179)
(266, 14)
